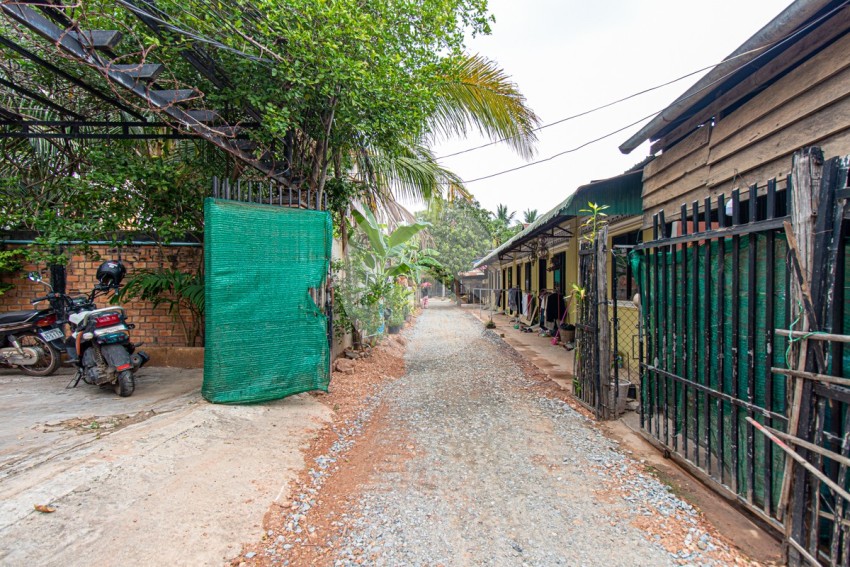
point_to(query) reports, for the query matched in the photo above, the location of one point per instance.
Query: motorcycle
(99, 343)
(32, 340)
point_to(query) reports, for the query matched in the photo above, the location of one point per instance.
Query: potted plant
(395, 322)
(398, 300)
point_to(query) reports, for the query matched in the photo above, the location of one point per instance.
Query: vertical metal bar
(325, 201)
(736, 300)
(215, 186)
(615, 339)
(751, 343)
(239, 190)
(721, 340)
(250, 192)
(299, 198)
(290, 197)
(694, 333)
(839, 530)
(815, 486)
(706, 331)
(642, 338)
(656, 359)
(683, 311)
(280, 195)
(770, 327)
(665, 346)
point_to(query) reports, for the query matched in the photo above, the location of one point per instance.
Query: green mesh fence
(265, 337)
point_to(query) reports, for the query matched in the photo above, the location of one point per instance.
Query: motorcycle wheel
(48, 360)
(125, 384)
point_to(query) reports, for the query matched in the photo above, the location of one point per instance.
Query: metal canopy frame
(554, 235)
(92, 48)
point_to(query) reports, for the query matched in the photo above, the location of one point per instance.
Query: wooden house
(785, 88)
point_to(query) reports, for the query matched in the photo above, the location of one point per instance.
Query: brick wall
(154, 326)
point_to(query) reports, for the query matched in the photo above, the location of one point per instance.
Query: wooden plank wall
(809, 105)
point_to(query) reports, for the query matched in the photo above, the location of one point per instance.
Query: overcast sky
(568, 56)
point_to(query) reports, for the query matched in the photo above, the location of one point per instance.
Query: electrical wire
(559, 154)
(771, 47)
(583, 113)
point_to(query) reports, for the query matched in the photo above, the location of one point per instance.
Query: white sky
(568, 56)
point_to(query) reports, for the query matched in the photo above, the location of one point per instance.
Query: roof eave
(791, 18)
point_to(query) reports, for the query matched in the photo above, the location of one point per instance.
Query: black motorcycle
(99, 344)
(99, 340)
(32, 340)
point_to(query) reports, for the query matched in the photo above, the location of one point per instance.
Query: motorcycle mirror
(34, 276)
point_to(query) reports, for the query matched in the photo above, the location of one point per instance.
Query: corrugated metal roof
(622, 194)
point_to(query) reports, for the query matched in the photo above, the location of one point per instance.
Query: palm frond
(411, 172)
(477, 94)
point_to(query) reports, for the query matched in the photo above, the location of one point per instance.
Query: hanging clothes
(513, 297)
(525, 297)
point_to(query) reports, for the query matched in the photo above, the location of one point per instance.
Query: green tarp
(265, 336)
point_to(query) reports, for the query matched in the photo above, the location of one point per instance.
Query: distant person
(424, 298)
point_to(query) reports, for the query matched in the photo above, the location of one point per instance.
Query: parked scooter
(99, 344)
(32, 340)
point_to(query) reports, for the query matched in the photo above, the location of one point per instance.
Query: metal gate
(593, 354)
(625, 327)
(744, 368)
(267, 252)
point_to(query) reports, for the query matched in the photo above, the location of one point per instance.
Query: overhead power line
(765, 49)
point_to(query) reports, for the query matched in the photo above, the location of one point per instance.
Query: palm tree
(503, 216)
(475, 95)
(529, 216)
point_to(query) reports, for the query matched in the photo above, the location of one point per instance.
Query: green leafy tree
(461, 233)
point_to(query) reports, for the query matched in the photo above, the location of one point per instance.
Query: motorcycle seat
(21, 316)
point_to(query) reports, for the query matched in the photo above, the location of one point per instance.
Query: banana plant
(387, 256)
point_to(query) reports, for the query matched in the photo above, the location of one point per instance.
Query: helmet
(111, 273)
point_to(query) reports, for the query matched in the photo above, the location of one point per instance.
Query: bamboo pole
(812, 376)
(803, 462)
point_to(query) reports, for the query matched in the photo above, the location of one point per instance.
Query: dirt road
(468, 461)
(160, 478)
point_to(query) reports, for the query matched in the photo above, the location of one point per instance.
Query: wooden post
(606, 390)
(806, 173)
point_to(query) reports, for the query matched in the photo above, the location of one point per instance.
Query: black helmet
(111, 273)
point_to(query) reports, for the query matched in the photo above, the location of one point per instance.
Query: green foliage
(462, 233)
(399, 301)
(386, 255)
(370, 284)
(116, 189)
(10, 262)
(596, 219)
(183, 293)
(529, 216)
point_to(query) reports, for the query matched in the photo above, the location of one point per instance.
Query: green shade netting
(265, 337)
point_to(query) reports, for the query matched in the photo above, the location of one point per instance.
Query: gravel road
(498, 474)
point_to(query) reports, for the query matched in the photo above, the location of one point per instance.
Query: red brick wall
(153, 326)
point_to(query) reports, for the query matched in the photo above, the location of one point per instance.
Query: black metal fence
(587, 387)
(724, 382)
(712, 296)
(269, 193)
